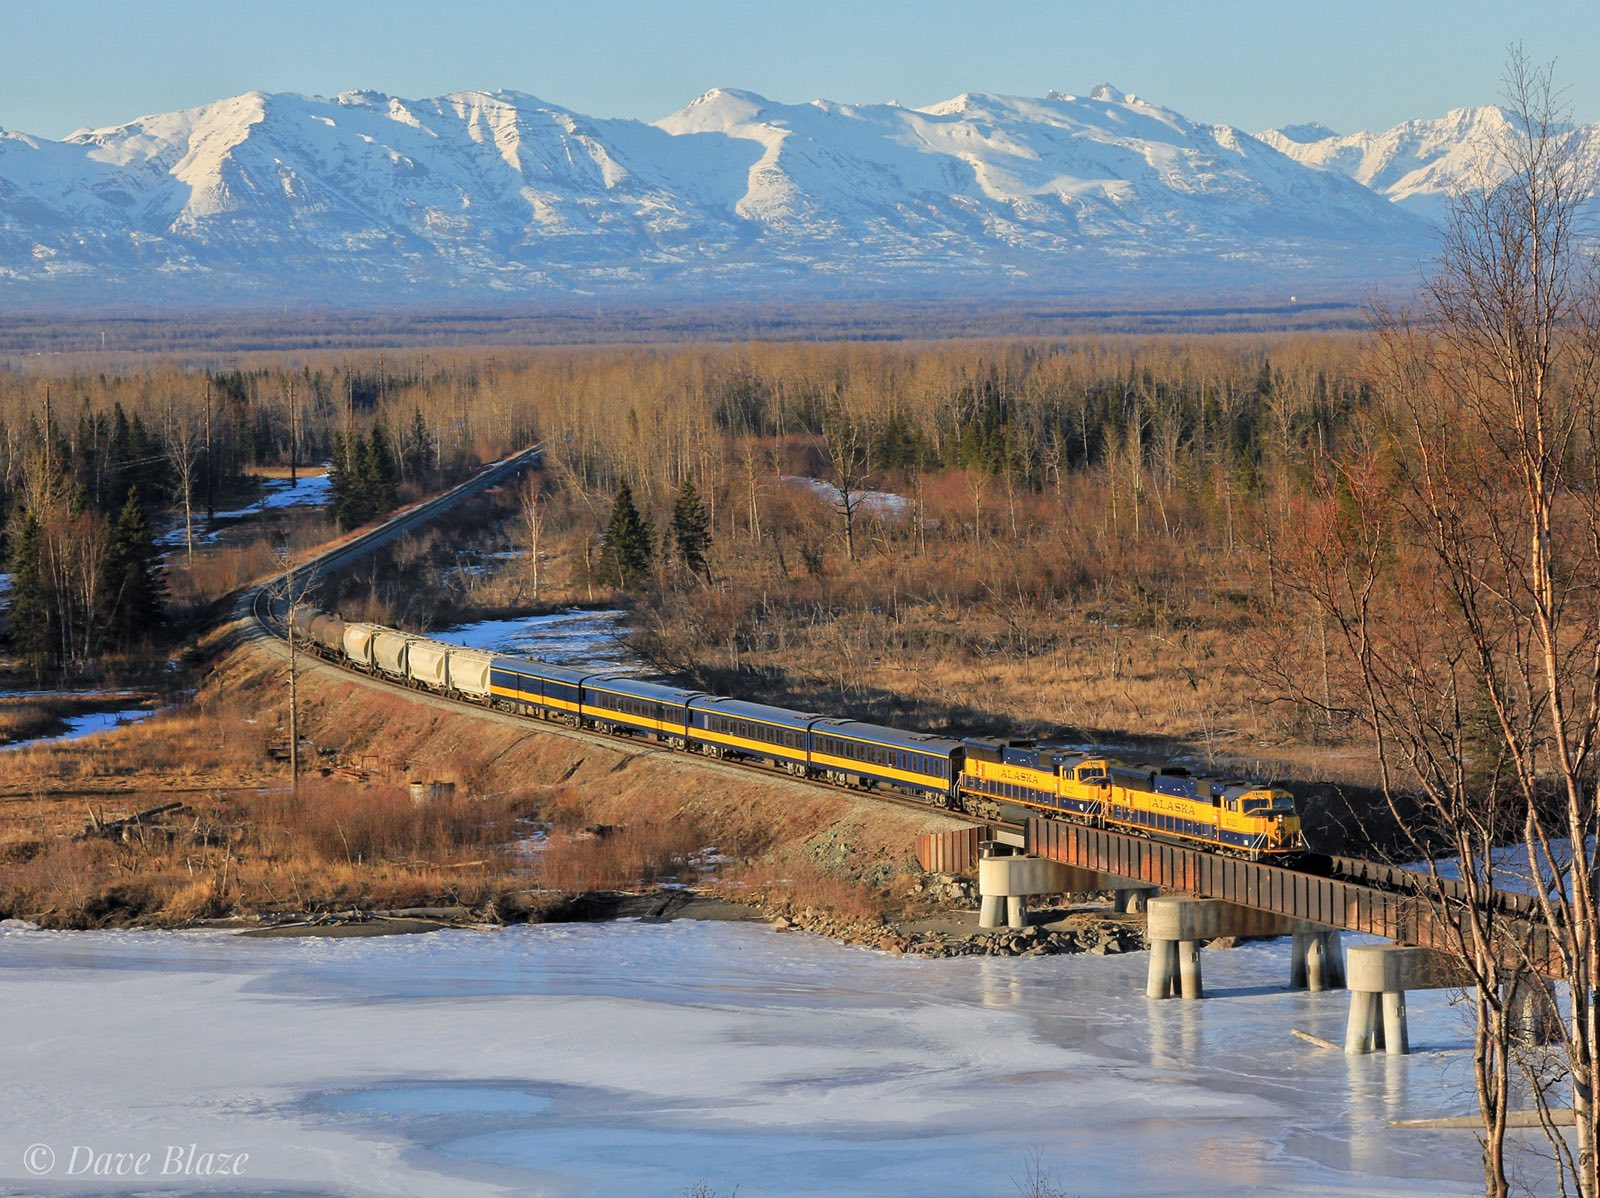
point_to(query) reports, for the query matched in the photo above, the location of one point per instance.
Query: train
(979, 776)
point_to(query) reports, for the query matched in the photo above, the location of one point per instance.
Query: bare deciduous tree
(848, 468)
(535, 516)
(1455, 552)
(182, 440)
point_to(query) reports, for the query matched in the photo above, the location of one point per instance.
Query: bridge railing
(1392, 903)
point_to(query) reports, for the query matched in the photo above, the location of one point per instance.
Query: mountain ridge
(1418, 164)
(370, 197)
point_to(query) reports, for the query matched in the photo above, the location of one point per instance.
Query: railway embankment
(746, 843)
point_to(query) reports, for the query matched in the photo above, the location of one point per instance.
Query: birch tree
(1456, 552)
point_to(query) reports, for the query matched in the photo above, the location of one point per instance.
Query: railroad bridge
(1209, 895)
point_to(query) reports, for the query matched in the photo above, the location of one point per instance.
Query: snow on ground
(590, 1061)
(873, 503)
(80, 726)
(309, 490)
(572, 637)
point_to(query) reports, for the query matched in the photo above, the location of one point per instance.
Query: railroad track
(1377, 880)
(261, 606)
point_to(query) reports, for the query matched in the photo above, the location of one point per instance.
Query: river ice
(632, 1059)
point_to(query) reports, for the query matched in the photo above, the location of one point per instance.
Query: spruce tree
(145, 461)
(33, 615)
(339, 482)
(134, 585)
(419, 446)
(378, 472)
(691, 529)
(625, 555)
(350, 496)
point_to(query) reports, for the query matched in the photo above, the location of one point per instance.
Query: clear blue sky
(1351, 64)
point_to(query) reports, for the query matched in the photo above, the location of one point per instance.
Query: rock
(781, 924)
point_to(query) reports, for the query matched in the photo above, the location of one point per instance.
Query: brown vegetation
(243, 845)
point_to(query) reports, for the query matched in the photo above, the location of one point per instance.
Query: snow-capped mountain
(1419, 164)
(368, 197)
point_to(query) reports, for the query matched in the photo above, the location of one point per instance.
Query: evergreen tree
(625, 553)
(362, 478)
(691, 529)
(119, 453)
(350, 492)
(418, 452)
(134, 586)
(342, 484)
(33, 615)
(378, 470)
(145, 461)
(654, 543)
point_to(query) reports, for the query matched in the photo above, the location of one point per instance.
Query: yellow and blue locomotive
(1225, 815)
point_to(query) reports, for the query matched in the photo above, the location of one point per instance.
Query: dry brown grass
(26, 718)
(796, 885)
(338, 844)
(333, 820)
(639, 856)
(245, 555)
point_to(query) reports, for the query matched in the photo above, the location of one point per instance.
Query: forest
(1059, 537)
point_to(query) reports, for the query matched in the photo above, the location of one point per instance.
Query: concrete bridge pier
(1006, 883)
(1316, 961)
(1002, 911)
(1132, 900)
(1532, 1012)
(1175, 928)
(1379, 976)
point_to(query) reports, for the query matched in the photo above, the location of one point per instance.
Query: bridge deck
(1337, 892)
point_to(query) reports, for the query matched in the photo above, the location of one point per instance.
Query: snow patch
(572, 637)
(885, 504)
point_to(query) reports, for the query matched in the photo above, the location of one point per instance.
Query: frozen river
(630, 1060)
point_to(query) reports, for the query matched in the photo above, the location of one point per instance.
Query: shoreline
(1088, 928)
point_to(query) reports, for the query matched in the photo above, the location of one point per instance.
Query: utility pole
(294, 711)
(211, 499)
(294, 590)
(294, 436)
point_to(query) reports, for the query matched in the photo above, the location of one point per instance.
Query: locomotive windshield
(1283, 803)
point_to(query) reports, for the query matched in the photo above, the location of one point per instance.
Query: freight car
(979, 776)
